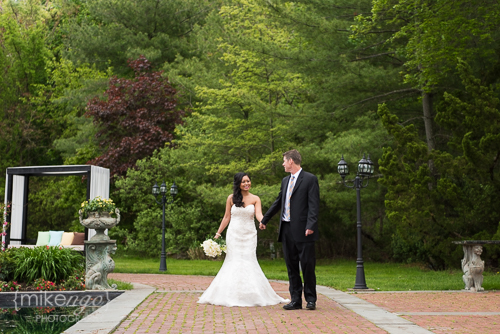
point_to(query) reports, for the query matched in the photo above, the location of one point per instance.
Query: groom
(298, 204)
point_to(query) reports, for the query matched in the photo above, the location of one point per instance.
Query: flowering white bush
(212, 248)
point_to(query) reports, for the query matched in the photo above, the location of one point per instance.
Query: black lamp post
(163, 191)
(365, 169)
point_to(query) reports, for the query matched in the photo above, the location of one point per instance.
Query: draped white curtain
(99, 186)
(16, 213)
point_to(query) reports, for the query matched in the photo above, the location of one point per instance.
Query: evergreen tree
(109, 33)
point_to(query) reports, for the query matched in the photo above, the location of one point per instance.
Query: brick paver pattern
(443, 302)
(435, 301)
(173, 309)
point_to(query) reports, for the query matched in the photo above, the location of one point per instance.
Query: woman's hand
(217, 236)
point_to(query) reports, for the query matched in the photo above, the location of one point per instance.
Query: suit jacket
(304, 207)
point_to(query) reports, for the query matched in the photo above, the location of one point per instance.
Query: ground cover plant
(120, 285)
(338, 274)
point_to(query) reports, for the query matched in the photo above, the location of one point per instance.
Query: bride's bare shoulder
(254, 199)
(229, 200)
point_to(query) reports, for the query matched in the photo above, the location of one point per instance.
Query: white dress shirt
(296, 175)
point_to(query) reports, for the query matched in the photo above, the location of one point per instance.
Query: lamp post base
(360, 277)
(163, 263)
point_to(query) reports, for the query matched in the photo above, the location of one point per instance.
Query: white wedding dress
(240, 281)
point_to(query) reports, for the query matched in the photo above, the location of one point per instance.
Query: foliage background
(412, 83)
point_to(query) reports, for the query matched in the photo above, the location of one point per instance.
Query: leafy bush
(7, 264)
(49, 263)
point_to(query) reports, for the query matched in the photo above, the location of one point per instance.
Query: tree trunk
(429, 134)
(427, 107)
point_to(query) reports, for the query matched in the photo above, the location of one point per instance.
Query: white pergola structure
(17, 188)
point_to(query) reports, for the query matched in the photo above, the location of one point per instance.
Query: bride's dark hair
(237, 196)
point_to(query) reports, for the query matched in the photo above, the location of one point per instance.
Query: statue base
(99, 264)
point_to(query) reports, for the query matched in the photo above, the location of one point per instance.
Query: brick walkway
(444, 312)
(173, 309)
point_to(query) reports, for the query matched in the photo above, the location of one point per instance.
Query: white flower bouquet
(214, 248)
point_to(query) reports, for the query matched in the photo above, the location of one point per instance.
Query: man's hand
(309, 232)
(262, 226)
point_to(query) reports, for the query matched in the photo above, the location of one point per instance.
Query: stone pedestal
(99, 264)
(472, 265)
(97, 249)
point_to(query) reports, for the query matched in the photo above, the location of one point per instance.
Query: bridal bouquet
(214, 248)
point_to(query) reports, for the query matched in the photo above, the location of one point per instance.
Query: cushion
(43, 238)
(78, 239)
(55, 237)
(67, 238)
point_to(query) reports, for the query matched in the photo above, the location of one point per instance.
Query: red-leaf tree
(136, 117)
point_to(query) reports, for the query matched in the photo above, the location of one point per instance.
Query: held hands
(308, 232)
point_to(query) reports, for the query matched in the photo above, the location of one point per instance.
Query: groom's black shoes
(311, 306)
(293, 306)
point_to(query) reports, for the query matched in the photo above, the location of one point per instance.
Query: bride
(240, 281)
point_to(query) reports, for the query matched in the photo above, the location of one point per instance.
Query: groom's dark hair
(294, 155)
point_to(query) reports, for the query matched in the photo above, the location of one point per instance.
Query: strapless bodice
(243, 212)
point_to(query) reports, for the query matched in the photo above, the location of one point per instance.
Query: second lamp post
(163, 191)
(365, 169)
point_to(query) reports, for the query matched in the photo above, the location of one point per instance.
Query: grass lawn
(339, 274)
(120, 285)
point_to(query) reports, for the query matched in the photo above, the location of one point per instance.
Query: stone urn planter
(99, 221)
(98, 249)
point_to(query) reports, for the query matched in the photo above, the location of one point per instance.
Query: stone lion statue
(99, 265)
(473, 268)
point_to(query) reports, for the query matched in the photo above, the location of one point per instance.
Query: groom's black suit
(304, 208)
